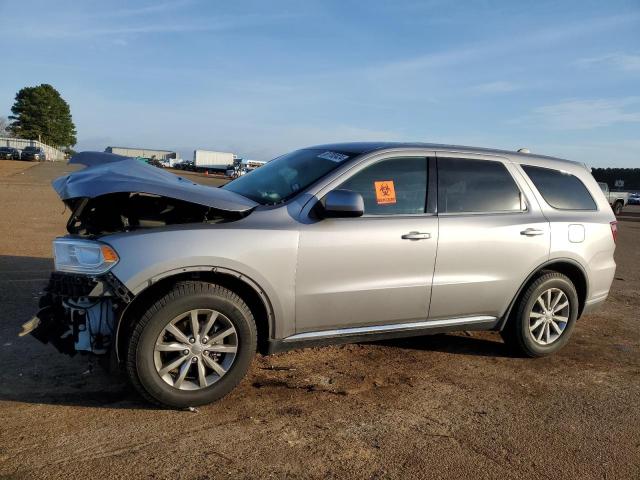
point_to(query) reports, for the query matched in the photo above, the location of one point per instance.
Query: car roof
(368, 147)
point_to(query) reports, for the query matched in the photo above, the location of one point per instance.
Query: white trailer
(206, 159)
(253, 164)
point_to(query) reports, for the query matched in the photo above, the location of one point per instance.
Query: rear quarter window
(560, 189)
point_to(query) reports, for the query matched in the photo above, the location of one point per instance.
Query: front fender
(266, 258)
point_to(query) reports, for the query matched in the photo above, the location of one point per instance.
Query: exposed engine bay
(118, 212)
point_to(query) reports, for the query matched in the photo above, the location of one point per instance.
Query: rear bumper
(594, 304)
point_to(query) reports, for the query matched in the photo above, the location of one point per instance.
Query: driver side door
(375, 269)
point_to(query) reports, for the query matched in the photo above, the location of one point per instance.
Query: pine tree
(40, 113)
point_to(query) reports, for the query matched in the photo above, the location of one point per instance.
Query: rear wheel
(617, 208)
(544, 317)
(192, 346)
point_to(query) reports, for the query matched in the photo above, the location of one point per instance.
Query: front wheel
(544, 316)
(192, 346)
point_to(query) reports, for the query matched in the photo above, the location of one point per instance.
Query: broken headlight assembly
(82, 301)
(83, 256)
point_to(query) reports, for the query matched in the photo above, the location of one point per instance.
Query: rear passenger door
(492, 234)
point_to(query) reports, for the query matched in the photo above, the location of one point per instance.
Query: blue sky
(261, 78)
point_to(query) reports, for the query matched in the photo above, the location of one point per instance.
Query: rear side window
(560, 189)
(476, 186)
(397, 186)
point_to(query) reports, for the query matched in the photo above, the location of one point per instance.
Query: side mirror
(343, 203)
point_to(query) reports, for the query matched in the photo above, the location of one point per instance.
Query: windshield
(285, 176)
(30, 149)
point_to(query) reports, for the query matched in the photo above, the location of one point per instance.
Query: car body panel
(594, 253)
(359, 271)
(267, 256)
(107, 173)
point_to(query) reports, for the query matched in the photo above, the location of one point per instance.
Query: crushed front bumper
(78, 313)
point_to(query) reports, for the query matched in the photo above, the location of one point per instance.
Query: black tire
(617, 208)
(516, 333)
(182, 297)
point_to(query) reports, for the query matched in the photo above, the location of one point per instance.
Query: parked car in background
(33, 153)
(9, 153)
(235, 172)
(634, 199)
(154, 162)
(325, 245)
(188, 166)
(617, 200)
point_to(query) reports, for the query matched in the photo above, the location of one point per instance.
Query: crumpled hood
(109, 173)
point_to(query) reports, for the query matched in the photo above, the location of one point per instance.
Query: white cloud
(622, 61)
(586, 114)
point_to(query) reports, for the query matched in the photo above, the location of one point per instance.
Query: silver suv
(183, 283)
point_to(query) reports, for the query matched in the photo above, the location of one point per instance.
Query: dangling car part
(78, 313)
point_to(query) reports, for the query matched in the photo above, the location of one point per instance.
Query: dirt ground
(445, 406)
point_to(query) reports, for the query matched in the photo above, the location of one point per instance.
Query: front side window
(476, 186)
(397, 186)
(560, 189)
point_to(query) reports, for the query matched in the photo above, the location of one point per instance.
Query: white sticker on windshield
(333, 156)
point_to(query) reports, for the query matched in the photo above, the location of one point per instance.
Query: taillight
(614, 231)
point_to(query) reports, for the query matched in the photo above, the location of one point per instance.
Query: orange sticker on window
(385, 192)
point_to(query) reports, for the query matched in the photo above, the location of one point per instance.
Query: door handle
(416, 236)
(532, 232)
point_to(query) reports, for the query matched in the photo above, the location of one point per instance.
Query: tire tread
(513, 333)
(179, 289)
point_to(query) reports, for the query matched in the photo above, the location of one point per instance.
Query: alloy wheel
(195, 349)
(549, 316)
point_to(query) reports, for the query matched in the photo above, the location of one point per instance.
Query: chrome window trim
(498, 212)
(386, 215)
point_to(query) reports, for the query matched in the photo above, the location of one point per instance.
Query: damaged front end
(84, 300)
(119, 194)
(78, 313)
